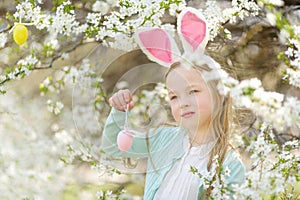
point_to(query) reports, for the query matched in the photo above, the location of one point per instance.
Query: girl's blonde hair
(220, 121)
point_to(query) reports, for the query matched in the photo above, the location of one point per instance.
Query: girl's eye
(194, 91)
(173, 97)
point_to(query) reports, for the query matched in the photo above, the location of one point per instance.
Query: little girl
(201, 112)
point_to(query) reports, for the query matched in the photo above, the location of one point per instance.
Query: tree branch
(51, 62)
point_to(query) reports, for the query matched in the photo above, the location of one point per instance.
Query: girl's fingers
(120, 100)
(127, 96)
(115, 103)
(110, 101)
(131, 105)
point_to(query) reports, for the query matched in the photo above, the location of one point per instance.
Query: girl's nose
(184, 103)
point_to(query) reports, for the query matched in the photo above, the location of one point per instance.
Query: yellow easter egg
(20, 34)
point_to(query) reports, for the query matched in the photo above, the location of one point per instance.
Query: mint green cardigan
(165, 147)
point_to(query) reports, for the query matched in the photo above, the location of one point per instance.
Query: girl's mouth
(187, 114)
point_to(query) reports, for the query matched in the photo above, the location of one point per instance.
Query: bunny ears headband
(161, 48)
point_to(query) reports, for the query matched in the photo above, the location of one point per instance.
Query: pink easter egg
(124, 140)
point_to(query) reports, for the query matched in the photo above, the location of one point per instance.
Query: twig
(60, 55)
(291, 136)
(5, 29)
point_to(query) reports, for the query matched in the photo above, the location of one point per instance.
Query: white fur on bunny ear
(193, 31)
(158, 45)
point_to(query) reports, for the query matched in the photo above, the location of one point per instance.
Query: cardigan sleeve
(237, 171)
(114, 124)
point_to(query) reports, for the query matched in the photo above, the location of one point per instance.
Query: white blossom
(293, 74)
(99, 194)
(289, 52)
(2, 78)
(123, 42)
(64, 137)
(94, 18)
(64, 56)
(271, 18)
(240, 9)
(3, 39)
(54, 127)
(175, 9)
(29, 60)
(296, 29)
(100, 6)
(284, 35)
(250, 94)
(227, 171)
(54, 107)
(212, 178)
(274, 2)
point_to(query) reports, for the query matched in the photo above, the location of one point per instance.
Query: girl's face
(191, 102)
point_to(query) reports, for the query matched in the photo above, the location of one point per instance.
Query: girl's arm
(114, 124)
(157, 141)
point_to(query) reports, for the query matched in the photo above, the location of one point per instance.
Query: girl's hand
(120, 99)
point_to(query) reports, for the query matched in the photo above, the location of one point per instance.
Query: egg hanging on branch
(20, 33)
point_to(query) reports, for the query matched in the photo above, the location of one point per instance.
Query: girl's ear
(193, 31)
(158, 45)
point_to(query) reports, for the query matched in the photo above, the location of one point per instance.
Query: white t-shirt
(180, 182)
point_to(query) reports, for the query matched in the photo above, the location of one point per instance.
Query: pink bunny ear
(192, 29)
(158, 45)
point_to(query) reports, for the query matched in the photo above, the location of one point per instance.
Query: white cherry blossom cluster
(63, 21)
(110, 195)
(113, 30)
(117, 32)
(29, 157)
(82, 75)
(149, 13)
(274, 168)
(55, 107)
(116, 29)
(261, 181)
(273, 107)
(24, 67)
(30, 61)
(290, 36)
(215, 178)
(28, 11)
(260, 148)
(49, 85)
(217, 16)
(82, 84)
(293, 72)
(101, 6)
(155, 96)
